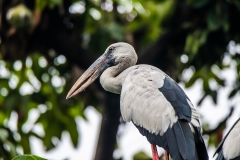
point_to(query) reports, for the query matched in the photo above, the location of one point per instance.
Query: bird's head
(119, 54)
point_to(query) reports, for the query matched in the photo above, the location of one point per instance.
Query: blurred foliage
(42, 41)
(41, 86)
(141, 156)
(19, 16)
(28, 157)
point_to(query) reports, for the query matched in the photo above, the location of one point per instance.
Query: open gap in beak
(82, 84)
(88, 77)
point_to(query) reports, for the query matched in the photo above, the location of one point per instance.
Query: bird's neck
(112, 78)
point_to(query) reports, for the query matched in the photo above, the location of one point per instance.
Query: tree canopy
(45, 45)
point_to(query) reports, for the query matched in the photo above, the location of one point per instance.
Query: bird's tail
(179, 141)
(220, 156)
(191, 146)
(200, 145)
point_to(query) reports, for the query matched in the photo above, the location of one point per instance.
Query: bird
(151, 100)
(229, 147)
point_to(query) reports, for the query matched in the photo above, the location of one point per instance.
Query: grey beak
(90, 75)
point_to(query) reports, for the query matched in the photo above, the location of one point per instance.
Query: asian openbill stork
(229, 148)
(154, 102)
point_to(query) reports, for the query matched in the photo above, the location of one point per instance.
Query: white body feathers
(141, 101)
(154, 102)
(231, 146)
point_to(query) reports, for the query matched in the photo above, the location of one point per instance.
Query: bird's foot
(154, 152)
(166, 155)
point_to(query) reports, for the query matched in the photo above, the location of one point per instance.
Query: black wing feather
(220, 155)
(178, 141)
(178, 99)
(185, 140)
(237, 158)
(200, 144)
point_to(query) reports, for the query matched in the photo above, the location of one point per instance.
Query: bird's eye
(111, 48)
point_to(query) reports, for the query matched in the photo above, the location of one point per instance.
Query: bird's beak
(88, 77)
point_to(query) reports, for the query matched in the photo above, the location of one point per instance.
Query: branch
(109, 128)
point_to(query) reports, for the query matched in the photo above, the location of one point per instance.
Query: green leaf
(3, 134)
(53, 3)
(141, 155)
(233, 92)
(201, 100)
(198, 3)
(40, 4)
(28, 157)
(72, 126)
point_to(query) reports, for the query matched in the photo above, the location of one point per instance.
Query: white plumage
(150, 99)
(231, 146)
(141, 99)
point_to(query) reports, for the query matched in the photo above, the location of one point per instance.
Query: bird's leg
(166, 154)
(154, 152)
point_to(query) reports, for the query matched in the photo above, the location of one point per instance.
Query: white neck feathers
(112, 78)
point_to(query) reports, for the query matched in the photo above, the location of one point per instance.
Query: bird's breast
(142, 102)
